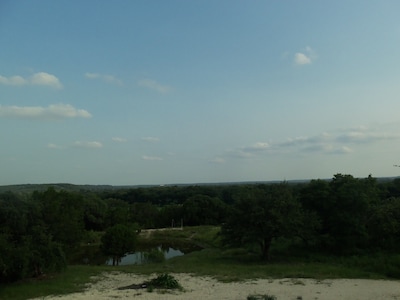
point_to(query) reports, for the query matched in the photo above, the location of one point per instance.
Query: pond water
(141, 257)
(92, 255)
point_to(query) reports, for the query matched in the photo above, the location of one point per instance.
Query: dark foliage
(27, 248)
(341, 216)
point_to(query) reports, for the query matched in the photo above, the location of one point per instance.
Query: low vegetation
(163, 281)
(261, 297)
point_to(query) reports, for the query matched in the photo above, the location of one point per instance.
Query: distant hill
(29, 188)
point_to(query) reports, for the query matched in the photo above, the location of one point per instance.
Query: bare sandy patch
(201, 288)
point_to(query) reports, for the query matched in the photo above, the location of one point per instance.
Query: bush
(164, 281)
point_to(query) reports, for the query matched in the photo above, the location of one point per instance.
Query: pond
(91, 254)
(152, 255)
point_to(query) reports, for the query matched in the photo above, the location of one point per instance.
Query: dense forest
(342, 216)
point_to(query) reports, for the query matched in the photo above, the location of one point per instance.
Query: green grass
(224, 265)
(72, 280)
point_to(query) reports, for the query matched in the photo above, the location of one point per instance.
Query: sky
(166, 92)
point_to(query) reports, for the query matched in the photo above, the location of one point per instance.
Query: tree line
(341, 216)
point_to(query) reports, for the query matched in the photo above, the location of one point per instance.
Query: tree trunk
(265, 247)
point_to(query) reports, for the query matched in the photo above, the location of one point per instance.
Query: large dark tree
(117, 241)
(62, 213)
(261, 215)
(344, 206)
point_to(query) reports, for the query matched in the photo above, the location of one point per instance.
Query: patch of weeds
(261, 297)
(164, 281)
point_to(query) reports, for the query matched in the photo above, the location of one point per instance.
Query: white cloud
(46, 79)
(88, 144)
(154, 85)
(305, 57)
(119, 139)
(150, 139)
(301, 59)
(52, 112)
(104, 77)
(13, 80)
(153, 158)
(41, 78)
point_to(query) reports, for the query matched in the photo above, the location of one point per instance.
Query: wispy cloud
(259, 146)
(363, 137)
(40, 78)
(77, 144)
(150, 139)
(52, 112)
(105, 78)
(249, 151)
(339, 143)
(218, 160)
(13, 80)
(307, 56)
(154, 85)
(88, 144)
(153, 158)
(119, 140)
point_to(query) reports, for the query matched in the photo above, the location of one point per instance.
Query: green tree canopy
(203, 210)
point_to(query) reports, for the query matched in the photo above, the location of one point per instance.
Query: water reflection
(142, 257)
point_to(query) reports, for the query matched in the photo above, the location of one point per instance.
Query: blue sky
(159, 92)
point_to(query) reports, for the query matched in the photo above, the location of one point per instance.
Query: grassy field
(225, 265)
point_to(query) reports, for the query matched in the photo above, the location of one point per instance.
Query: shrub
(261, 297)
(164, 281)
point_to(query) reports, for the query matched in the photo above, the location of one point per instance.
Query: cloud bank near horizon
(51, 112)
